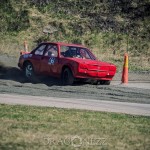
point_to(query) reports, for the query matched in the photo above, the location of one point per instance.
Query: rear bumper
(19, 65)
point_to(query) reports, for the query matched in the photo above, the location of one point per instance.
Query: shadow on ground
(15, 74)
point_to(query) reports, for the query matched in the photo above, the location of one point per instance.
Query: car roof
(64, 44)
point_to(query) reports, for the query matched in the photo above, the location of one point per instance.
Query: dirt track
(12, 81)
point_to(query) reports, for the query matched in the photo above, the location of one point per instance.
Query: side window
(40, 50)
(63, 50)
(68, 51)
(51, 51)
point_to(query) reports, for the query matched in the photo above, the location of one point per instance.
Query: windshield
(77, 52)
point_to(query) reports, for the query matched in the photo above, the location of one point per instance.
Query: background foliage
(109, 28)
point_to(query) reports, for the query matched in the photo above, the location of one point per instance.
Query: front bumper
(98, 75)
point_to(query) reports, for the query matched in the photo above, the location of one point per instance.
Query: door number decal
(51, 61)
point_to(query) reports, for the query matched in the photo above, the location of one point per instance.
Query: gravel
(12, 81)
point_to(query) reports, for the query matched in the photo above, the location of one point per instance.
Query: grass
(25, 127)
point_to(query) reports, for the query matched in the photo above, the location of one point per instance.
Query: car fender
(25, 62)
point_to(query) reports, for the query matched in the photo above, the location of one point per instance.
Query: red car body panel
(81, 68)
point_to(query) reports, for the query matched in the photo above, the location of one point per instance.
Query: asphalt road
(73, 103)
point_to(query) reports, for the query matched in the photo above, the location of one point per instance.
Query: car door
(49, 60)
(37, 54)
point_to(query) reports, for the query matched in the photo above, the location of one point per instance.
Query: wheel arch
(70, 77)
(25, 62)
(69, 67)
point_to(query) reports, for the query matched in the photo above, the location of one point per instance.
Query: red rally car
(66, 61)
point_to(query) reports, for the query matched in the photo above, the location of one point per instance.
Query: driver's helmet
(83, 53)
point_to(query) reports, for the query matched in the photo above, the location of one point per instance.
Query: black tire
(104, 82)
(94, 82)
(67, 77)
(29, 72)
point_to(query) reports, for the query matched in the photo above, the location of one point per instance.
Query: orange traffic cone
(125, 70)
(25, 46)
(22, 52)
(25, 51)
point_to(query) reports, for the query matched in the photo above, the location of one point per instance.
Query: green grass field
(25, 127)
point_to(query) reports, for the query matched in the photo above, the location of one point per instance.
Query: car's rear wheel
(29, 71)
(67, 77)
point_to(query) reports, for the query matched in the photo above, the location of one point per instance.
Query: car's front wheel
(104, 82)
(67, 77)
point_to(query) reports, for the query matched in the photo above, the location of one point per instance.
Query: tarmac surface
(73, 103)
